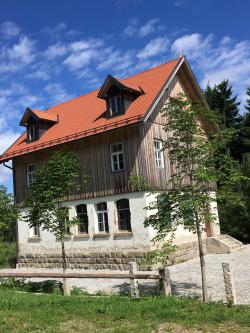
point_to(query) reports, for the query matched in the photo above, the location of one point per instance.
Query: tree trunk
(64, 264)
(202, 260)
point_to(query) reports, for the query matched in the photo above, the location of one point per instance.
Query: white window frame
(79, 215)
(158, 153)
(102, 213)
(30, 175)
(116, 154)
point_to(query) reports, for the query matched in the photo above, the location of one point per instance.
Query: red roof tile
(84, 115)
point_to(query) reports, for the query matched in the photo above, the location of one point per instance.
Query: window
(102, 217)
(123, 213)
(36, 231)
(32, 132)
(83, 226)
(116, 105)
(117, 159)
(159, 159)
(31, 169)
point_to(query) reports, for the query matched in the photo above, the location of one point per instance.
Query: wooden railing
(133, 275)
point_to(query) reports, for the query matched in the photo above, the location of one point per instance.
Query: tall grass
(7, 255)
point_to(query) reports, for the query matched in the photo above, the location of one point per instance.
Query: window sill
(66, 239)
(101, 235)
(34, 239)
(123, 234)
(81, 236)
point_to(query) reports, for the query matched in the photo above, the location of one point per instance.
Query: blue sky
(51, 51)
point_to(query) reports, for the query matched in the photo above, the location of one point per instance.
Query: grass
(7, 255)
(23, 312)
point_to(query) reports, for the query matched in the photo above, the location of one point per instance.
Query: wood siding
(95, 156)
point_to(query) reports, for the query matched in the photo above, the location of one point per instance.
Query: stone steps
(232, 243)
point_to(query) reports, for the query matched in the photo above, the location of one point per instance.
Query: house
(118, 132)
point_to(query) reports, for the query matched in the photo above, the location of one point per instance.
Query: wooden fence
(133, 275)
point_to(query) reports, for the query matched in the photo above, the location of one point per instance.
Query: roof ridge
(129, 77)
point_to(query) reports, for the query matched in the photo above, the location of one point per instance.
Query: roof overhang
(110, 81)
(38, 115)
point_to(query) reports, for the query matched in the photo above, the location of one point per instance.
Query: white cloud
(57, 94)
(216, 61)
(14, 58)
(151, 26)
(154, 47)
(55, 50)
(9, 30)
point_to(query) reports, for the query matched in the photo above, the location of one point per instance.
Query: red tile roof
(84, 116)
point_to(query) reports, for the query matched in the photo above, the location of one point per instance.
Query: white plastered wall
(138, 240)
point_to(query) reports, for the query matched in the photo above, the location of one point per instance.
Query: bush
(7, 255)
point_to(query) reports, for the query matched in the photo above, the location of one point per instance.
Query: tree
(221, 100)
(247, 106)
(53, 183)
(193, 156)
(8, 216)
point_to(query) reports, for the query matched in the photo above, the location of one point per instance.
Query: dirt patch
(223, 328)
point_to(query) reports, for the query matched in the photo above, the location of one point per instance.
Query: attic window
(116, 105)
(32, 132)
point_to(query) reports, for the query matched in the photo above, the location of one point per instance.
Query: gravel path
(185, 278)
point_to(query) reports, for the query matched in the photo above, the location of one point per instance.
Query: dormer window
(116, 104)
(32, 132)
(118, 95)
(37, 123)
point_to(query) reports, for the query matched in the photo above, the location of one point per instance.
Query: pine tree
(221, 100)
(247, 106)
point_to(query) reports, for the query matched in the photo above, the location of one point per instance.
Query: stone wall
(111, 260)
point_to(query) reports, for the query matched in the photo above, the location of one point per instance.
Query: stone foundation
(111, 260)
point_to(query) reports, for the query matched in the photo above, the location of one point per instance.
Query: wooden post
(229, 284)
(66, 287)
(134, 291)
(164, 279)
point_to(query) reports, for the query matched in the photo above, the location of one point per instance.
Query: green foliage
(8, 216)
(7, 255)
(53, 183)
(22, 312)
(234, 216)
(47, 286)
(221, 100)
(247, 106)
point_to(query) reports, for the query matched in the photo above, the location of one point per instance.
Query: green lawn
(23, 312)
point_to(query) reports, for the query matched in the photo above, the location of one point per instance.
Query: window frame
(116, 101)
(117, 153)
(85, 223)
(28, 173)
(32, 132)
(127, 209)
(158, 154)
(104, 214)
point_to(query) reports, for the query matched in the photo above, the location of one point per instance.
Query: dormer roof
(123, 86)
(38, 115)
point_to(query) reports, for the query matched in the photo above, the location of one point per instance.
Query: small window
(159, 158)
(123, 212)
(116, 105)
(36, 231)
(102, 217)
(117, 158)
(83, 226)
(32, 132)
(31, 169)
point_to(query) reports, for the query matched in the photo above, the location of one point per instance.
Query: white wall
(139, 239)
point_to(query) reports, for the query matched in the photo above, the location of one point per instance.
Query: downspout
(14, 188)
